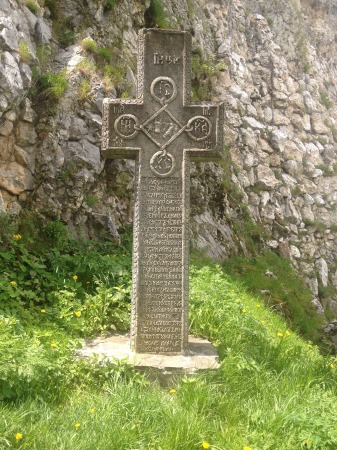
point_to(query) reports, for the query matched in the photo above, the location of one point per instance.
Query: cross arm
(207, 120)
(120, 127)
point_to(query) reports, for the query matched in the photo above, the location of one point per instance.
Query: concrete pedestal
(201, 355)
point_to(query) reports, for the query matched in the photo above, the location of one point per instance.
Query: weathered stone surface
(318, 125)
(6, 128)
(163, 132)
(322, 271)
(86, 154)
(265, 178)
(10, 77)
(6, 147)
(42, 31)
(15, 178)
(25, 134)
(8, 35)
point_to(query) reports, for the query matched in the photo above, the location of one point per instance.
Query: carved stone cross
(163, 132)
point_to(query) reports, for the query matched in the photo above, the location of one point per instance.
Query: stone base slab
(201, 355)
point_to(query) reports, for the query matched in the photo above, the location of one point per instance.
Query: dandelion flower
(18, 436)
(75, 277)
(172, 391)
(17, 236)
(77, 425)
(43, 311)
(247, 448)
(280, 334)
(287, 333)
(92, 410)
(205, 444)
(53, 345)
(78, 313)
(13, 283)
(258, 305)
(331, 365)
(243, 310)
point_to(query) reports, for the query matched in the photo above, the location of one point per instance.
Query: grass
(274, 390)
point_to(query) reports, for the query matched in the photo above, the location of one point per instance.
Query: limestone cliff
(273, 64)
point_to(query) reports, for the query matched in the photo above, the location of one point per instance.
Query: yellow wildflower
(75, 277)
(287, 333)
(13, 283)
(17, 236)
(53, 345)
(247, 448)
(263, 322)
(43, 310)
(18, 436)
(258, 305)
(205, 444)
(92, 410)
(78, 313)
(243, 310)
(331, 365)
(280, 334)
(77, 425)
(172, 391)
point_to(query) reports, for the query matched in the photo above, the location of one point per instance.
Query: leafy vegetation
(325, 100)
(33, 6)
(273, 390)
(48, 90)
(204, 71)
(272, 276)
(155, 15)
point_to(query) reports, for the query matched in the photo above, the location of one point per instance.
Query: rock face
(273, 64)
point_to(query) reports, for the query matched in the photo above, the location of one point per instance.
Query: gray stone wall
(273, 64)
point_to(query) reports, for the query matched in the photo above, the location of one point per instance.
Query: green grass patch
(155, 15)
(272, 277)
(273, 390)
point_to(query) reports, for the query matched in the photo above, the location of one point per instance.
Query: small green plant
(24, 52)
(306, 67)
(325, 100)
(296, 190)
(91, 200)
(328, 170)
(155, 15)
(52, 86)
(109, 5)
(54, 7)
(104, 53)
(320, 226)
(84, 90)
(89, 45)
(325, 292)
(33, 6)
(64, 30)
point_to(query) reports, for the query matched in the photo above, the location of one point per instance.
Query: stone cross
(163, 132)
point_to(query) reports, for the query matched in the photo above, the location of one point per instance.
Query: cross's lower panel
(159, 322)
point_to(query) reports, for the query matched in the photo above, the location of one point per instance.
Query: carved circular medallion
(164, 90)
(126, 126)
(162, 164)
(199, 128)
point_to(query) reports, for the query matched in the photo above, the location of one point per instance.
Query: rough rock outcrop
(273, 64)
